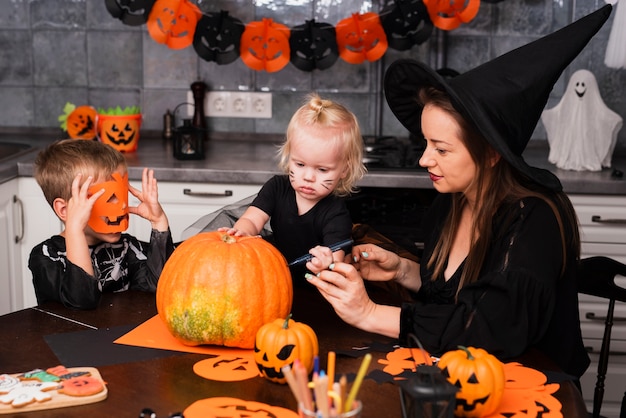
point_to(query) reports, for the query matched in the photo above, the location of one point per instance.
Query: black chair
(597, 278)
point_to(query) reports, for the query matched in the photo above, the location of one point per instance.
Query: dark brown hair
(504, 185)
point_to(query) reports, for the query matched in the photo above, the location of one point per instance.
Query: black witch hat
(504, 97)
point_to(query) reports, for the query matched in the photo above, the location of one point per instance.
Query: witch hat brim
(503, 98)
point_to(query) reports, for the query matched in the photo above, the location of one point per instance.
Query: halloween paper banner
(269, 45)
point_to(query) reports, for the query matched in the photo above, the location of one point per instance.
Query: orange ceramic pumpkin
(220, 289)
(280, 343)
(479, 377)
(81, 123)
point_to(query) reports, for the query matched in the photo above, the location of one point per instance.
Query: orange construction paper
(154, 334)
(224, 407)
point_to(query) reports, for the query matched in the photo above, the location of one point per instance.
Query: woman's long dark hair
(496, 186)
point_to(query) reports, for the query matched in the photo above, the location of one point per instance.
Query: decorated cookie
(27, 392)
(81, 386)
(8, 382)
(39, 374)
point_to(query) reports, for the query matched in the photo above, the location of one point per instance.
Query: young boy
(86, 184)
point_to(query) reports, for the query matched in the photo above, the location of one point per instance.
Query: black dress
(326, 223)
(519, 301)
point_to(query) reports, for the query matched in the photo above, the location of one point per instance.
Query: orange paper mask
(110, 212)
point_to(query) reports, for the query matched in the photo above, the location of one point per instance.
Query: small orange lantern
(119, 131)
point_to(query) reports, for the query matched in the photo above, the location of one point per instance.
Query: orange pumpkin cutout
(225, 407)
(227, 368)
(361, 37)
(403, 359)
(265, 45)
(173, 22)
(449, 14)
(119, 131)
(81, 123)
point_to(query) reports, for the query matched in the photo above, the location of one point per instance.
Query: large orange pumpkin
(220, 289)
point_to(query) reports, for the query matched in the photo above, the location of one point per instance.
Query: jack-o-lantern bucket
(119, 131)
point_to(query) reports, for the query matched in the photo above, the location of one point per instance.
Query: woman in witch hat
(502, 243)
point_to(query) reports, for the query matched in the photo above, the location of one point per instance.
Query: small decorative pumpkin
(119, 131)
(217, 37)
(220, 289)
(81, 123)
(361, 37)
(173, 22)
(265, 45)
(280, 343)
(449, 14)
(479, 377)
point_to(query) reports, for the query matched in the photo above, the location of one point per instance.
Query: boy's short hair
(58, 164)
(327, 113)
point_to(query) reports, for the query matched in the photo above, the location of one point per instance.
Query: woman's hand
(149, 208)
(375, 263)
(344, 289)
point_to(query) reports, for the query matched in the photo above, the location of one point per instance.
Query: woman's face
(448, 161)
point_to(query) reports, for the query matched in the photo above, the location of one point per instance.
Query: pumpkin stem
(228, 239)
(469, 354)
(286, 323)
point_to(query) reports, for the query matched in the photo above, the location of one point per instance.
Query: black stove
(390, 152)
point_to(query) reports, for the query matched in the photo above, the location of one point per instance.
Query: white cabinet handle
(20, 205)
(592, 316)
(598, 219)
(189, 192)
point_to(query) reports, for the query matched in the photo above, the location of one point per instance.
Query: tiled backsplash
(54, 51)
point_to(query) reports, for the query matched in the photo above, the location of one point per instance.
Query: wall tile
(16, 58)
(15, 15)
(60, 58)
(165, 67)
(58, 14)
(16, 107)
(115, 59)
(49, 103)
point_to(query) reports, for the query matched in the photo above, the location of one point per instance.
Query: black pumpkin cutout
(130, 12)
(217, 37)
(313, 45)
(406, 23)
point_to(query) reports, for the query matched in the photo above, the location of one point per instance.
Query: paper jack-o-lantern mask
(110, 212)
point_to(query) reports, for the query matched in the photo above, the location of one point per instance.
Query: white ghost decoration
(582, 130)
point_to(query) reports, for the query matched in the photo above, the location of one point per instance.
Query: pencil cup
(355, 412)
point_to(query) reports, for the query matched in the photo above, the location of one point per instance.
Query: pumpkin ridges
(226, 294)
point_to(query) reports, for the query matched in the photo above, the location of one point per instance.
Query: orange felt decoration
(81, 123)
(225, 407)
(110, 212)
(479, 377)
(173, 22)
(402, 359)
(280, 343)
(220, 289)
(449, 14)
(265, 45)
(361, 37)
(228, 368)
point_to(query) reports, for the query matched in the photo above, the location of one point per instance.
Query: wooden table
(168, 384)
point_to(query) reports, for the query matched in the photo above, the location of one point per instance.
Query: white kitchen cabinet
(10, 266)
(603, 232)
(184, 203)
(40, 223)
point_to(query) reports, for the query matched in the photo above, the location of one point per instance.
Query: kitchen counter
(252, 160)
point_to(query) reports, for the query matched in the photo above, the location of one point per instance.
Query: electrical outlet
(235, 104)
